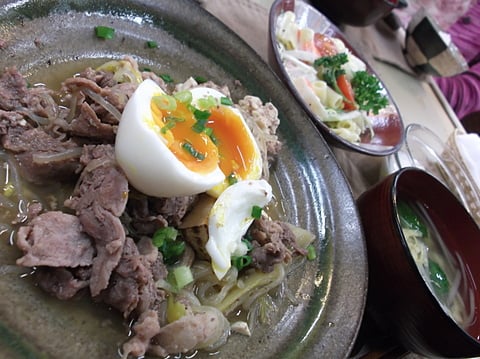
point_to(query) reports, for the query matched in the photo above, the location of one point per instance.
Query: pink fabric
(466, 33)
(463, 91)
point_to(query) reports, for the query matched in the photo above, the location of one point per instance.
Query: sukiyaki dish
(442, 270)
(151, 197)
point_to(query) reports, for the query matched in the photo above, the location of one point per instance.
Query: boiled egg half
(229, 220)
(183, 144)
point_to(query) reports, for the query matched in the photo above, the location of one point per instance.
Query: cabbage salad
(332, 81)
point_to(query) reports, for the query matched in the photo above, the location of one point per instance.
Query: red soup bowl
(424, 265)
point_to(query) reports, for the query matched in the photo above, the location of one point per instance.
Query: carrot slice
(346, 87)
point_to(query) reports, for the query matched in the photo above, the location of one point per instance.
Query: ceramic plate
(43, 38)
(387, 126)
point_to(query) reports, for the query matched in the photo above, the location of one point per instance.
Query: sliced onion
(104, 103)
(45, 158)
(39, 120)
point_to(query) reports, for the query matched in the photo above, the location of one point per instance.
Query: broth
(443, 270)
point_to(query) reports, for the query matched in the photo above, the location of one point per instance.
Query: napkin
(464, 165)
(469, 148)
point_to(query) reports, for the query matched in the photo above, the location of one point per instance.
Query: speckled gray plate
(42, 38)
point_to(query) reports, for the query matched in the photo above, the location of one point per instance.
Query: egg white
(229, 220)
(144, 157)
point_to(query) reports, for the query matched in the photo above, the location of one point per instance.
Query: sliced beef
(146, 327)
(42, 158)
(101, 78)
(99, 199)
(35, 103)
(146, 214)
(173, 209)
(132, 285)
(87, 124)
(155, 78)
(54, 239)
(12, 119)
(152, 257)
(109, 236)
(273, 242)
(118, 96)
(263, 121)
(39, 106)
(63, 283)
(188, 333)
(93, 120)
(77, 83)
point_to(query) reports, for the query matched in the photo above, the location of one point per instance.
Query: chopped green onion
(184, 96)
(146, 69)
(104, 32)
(168, 245)
(187, 146)
(256, 212)
(171, 122)
(226, 101)
(247, 242)
(232, 179)
(201, 115)
(311, 252)
(410, 219)
(165, 102)
(200, 79)
(181, 276)
(213, 138)
(206, 103)
(166, 77)
(152, 44)
(208, 131)
(241, 262)
(199, 126)
(164, 234)
(438, 278)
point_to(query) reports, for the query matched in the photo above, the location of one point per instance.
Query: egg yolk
(236, 150)
(222, 140)
(195, 150)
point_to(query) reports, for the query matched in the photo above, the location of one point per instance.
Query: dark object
(392, 21)
(471, 122)
(399, 300)
(428, 52)
(355, 13)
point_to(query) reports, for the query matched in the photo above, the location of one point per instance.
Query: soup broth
(442, 269)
